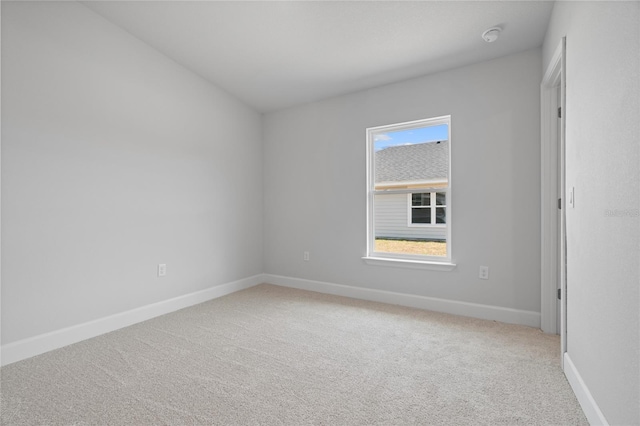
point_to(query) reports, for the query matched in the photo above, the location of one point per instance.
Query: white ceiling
(276, 54)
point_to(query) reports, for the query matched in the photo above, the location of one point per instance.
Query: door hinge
(559, 112)
(559, 203)
(559, 294)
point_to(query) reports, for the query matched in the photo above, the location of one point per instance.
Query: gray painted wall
(115, 159)
(315, 186)
(603, 163)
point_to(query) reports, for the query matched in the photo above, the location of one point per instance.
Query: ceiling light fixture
(491, 34)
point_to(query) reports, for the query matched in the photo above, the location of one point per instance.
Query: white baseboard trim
(27, 348)
(588, 404)
(474, 310)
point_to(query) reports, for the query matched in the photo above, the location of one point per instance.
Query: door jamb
(551, 260)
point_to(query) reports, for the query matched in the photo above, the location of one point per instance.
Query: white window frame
(433, 206)
(401, 259)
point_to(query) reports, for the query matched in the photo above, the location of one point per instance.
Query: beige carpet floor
(277, 356)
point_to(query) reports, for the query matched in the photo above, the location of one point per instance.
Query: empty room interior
(333, 212)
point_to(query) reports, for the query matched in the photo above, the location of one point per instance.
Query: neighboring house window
(428, 208)
(409, 190)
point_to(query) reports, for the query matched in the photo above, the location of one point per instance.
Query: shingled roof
(417, 162)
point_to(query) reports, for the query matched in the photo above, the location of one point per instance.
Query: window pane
(404, 158)
(421, 199)
(421, 215)
(428, 248)
(419, 154)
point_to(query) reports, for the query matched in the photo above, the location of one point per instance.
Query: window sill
(412, 264)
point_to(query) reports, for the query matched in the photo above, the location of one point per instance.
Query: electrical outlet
(305, 256)
(162, 269)
(484, 273)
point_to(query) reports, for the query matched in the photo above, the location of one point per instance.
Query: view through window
(409, 190)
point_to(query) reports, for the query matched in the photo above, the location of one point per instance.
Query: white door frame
(552, 172)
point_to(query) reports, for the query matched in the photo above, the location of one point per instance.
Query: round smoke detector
(491, 34)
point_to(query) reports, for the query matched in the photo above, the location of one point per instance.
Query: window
(409, 191)
(428, 208)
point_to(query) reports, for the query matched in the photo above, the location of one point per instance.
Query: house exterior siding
(391, 220)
